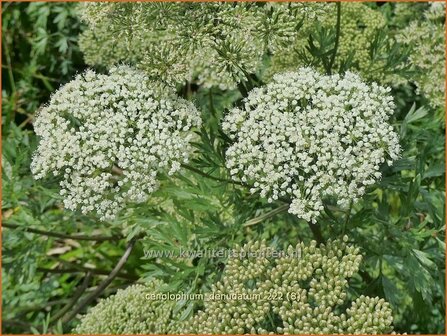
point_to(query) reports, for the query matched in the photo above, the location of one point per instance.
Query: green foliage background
(399, 224)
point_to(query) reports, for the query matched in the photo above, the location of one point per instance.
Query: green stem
(249, 80)
(103, 285)
(242, 89)
(314, 227)
(211, 102)
(78, 293)
(28, 309)
(187, 91)
(11, 114)
(348, 217)
(316, 231)
(337, 37)
(198, 171)
(9, 67)
(26, 121)
(61, 235)
(74, 268)
(266, 215)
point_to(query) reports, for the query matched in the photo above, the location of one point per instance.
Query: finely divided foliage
(308, 136)
(360, 26)
(216, 44)
(109, 136)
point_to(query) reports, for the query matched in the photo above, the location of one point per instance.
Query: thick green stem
(97, 238)
(348, 217)
(316, 231)
(337, 37)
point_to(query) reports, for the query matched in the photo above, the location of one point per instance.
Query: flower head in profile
(308, 136)
(108, 137)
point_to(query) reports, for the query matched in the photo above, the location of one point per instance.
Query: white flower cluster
(291, 295)
(308, 136)
(109, 136)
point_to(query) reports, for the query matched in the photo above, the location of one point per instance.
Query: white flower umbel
(109, 136)
(307, 136)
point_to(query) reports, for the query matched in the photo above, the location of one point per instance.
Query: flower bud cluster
(360, 23)
(295, 295)
(108, 137)
(280, 24)
(129, 312)
(212, 44)
(173, 42)
(308, 136)
(300, 292)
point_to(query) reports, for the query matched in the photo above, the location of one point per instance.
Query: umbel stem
(103, 284)
(118, 171)
(267, 215)
(337, 38)
(97, 238)
(316, 231)
(198, 171)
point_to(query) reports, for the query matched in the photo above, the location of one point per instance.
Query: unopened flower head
(109, 136)
(129, 312)
(308, 136)
(307, 295)
(304, 294)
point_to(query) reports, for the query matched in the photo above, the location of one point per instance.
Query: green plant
(59, 263)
